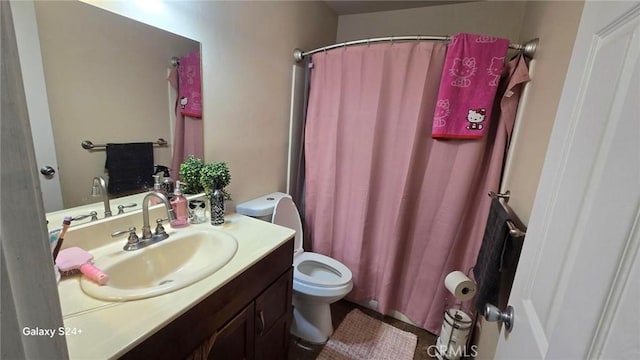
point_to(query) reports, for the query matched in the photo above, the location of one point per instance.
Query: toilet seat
(335, 274)
(313, 273)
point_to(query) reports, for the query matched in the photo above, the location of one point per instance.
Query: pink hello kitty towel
(468, 86)
(189, 85)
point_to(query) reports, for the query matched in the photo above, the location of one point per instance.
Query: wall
(246, 63)
(556, 24)
(106, 82)
(475, 17)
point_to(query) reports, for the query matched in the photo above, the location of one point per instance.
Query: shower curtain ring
(392, 40)
(368, 42)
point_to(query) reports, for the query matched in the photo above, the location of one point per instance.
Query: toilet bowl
(318, 280)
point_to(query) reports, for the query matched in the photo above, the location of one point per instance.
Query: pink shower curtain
(397, 207)
(187, 134)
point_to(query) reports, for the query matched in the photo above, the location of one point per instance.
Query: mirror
(106, 82)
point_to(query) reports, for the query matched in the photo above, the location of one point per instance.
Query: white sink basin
(181, 260)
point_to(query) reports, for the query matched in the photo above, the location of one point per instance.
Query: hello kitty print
(462, 70)
(442, 113)
(495, 70)
(471, 75)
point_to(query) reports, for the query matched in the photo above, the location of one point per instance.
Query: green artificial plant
(190, 171)
(215, 176)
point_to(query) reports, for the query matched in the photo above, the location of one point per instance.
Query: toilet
(318, 280)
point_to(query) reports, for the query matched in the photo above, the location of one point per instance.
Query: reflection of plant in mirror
(190, 175)
(214, 176)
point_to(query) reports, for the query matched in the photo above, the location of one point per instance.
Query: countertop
(99, 329)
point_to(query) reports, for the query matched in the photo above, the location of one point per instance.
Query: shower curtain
(187, 134)
(397, 207)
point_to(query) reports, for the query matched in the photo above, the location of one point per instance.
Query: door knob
(47, 171)
(492, 313)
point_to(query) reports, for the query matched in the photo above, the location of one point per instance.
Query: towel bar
(505, 195)
(88, 145)
(514, 230)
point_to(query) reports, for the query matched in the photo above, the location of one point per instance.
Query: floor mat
(361, 337)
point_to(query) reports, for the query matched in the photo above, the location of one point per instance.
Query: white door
(26, 29)
(577, 290)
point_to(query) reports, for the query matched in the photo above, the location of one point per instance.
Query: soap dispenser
(157, 187)
(179, 205)
(167, 184)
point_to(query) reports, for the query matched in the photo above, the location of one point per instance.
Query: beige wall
(556, 24)
(246, 63)
(106, 82)
(478, 17)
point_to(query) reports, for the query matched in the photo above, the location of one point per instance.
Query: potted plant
(214, 177)
(190, 171)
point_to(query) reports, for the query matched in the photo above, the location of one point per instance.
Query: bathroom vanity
(248, 318)
(241, 311)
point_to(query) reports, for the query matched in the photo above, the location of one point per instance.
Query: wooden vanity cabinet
(248, 318)
(261, 330)
(273, 319)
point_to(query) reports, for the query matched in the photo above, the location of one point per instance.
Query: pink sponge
(75, 258)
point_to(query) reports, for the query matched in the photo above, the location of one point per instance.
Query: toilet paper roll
(460, 285)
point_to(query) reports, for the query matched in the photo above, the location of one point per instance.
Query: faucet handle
(93, 214)
(159, 228)
(122, 207)
(132, 241)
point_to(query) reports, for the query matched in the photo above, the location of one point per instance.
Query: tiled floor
(299, 350)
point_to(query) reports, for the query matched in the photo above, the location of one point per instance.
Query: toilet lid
(286, 214)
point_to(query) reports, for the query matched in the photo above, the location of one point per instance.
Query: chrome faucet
(99, 188)
(146, 228)
(148, 238)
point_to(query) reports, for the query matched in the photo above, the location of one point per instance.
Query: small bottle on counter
(157, 187)
(167, 184)
(179, 205)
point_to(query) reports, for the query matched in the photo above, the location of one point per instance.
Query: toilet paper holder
(493, 313)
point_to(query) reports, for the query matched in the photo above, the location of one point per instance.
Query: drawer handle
(261, 323)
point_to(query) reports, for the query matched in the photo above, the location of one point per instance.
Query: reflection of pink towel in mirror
(189, 85)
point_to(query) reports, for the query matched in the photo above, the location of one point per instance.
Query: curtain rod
(528, 49)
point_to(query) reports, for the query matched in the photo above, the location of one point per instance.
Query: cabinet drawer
(273, 303)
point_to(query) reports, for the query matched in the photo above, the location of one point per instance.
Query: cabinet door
(273, 319)
(235, 341)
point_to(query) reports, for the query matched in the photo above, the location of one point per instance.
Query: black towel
(497, 259)
(130, 167)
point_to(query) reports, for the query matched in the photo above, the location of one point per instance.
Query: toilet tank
(261, 207)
